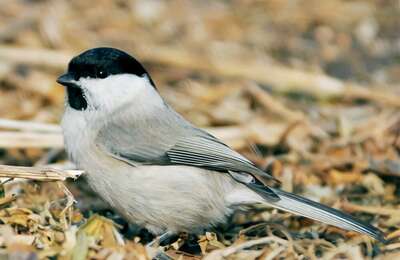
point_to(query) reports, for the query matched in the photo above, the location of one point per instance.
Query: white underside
(169, 198)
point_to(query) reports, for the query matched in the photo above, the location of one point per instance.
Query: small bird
(154, 167)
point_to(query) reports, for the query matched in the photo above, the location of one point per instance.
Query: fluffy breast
(160, 198)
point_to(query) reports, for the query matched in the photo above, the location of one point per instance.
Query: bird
(155, 168)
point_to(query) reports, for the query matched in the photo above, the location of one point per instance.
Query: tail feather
(314, 210)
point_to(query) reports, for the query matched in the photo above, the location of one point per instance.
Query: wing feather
(210, 153)
(171, 140)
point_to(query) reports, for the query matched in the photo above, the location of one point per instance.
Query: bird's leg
(160, 239)
(159, 254)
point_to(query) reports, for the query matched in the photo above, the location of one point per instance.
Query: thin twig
(29, 126)
(223, 253)
(36, 57)
(235, 248)
(275, 253)
(30, 140)
(370, 209)
(4, 201)
(38, 173)
(272, 104)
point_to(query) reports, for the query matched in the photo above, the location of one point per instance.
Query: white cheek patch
(115, 90)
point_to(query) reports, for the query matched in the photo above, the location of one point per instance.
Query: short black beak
(66, 80)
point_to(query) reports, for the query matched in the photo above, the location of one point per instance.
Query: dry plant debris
(308, 90)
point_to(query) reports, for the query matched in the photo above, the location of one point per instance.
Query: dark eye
(101, 74)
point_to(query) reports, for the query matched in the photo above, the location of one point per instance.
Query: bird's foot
(161, 239)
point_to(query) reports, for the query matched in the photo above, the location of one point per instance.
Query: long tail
(314, 210)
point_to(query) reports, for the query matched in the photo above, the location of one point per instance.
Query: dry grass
(306, 89)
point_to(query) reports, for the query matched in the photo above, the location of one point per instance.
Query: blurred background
(308, 90)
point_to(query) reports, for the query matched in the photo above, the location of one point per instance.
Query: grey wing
(204, 150)
(187, 145)
(135, 142)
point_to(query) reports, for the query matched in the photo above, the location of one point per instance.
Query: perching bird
(153, 166)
